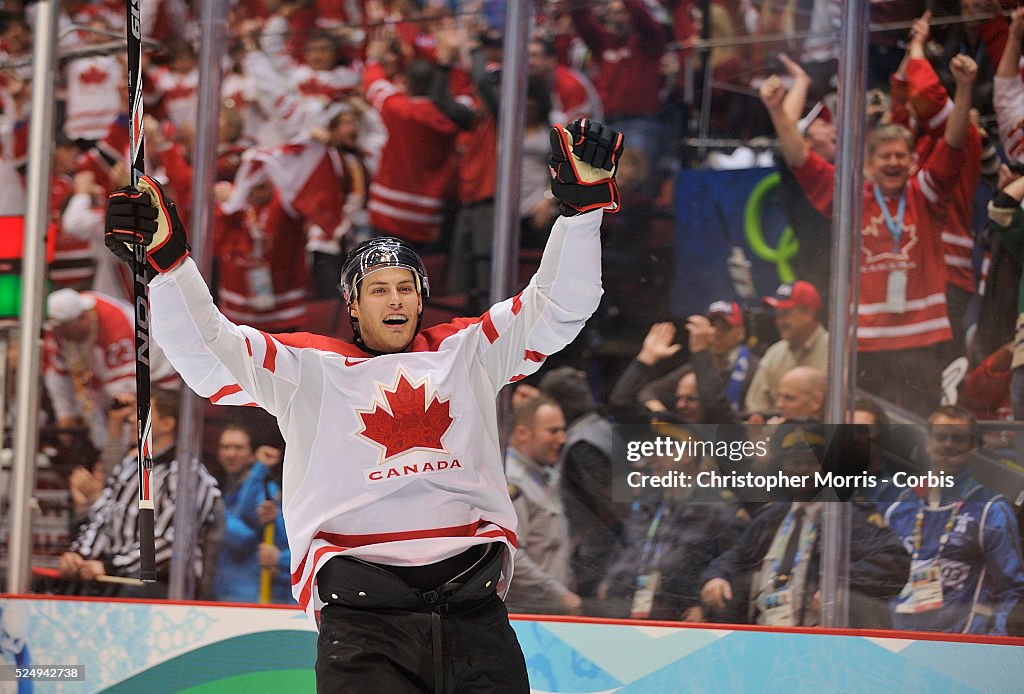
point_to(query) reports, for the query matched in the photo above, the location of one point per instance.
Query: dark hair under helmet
(377, 254)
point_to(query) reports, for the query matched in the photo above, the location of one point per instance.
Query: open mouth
(395, 320)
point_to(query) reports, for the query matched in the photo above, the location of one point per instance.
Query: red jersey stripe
(224, 392)
(489, 330)
(270, 358)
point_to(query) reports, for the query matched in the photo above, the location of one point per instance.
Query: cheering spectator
(538, 209)
(982, 36)
(717, 374)
(1008, 91)
(883, 51)
(260, 245)
(320, 75)
(627, 50)
(173, 88)
(16, 42)
(572, 94)
(902, 318)
(351, 133)
(921, 103)
(243, 554)
(14, 100)
(986, 390)
(83, 220)
(293, 93)
(813, 229)
(416, 179)
(93, 90)
(469, 256)
(693, 397)
(717, 345)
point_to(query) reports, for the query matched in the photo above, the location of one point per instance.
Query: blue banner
(716, 210)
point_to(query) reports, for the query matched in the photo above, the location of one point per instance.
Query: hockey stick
(136, 156)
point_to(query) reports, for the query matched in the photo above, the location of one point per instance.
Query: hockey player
(399, 520)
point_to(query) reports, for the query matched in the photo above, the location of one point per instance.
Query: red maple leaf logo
(404, 421)
(93, 75)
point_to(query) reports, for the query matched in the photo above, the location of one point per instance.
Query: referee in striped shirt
(108, 542)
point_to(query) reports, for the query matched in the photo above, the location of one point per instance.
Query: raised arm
(791, 142)
(566, 289)
(227, 363)
(965, 71)
(647, 27)
(1008, 92)
(1009, 62)
(796, 97)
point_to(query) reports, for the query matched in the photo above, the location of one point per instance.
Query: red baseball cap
(730, 310)
(796, 294)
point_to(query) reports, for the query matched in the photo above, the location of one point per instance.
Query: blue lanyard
(736, 378)
(652, 532)
(895, 227)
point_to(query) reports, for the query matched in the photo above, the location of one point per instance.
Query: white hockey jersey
(394, 458)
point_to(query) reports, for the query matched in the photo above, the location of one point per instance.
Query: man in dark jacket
(771, 575)
(879, 567)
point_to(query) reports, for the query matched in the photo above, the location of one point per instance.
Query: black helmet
(377, 254)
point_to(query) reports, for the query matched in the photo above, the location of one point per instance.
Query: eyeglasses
(954, 437)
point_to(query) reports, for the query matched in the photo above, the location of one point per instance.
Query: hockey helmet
(377, 254)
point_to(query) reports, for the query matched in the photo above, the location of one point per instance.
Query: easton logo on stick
(141, 308)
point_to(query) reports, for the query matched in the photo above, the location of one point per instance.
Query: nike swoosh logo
(349, 361)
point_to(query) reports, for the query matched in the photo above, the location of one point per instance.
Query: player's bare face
(889, 166)
(387, 309)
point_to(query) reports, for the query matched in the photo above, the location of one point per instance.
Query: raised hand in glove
(584, 158)
(145, 214)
